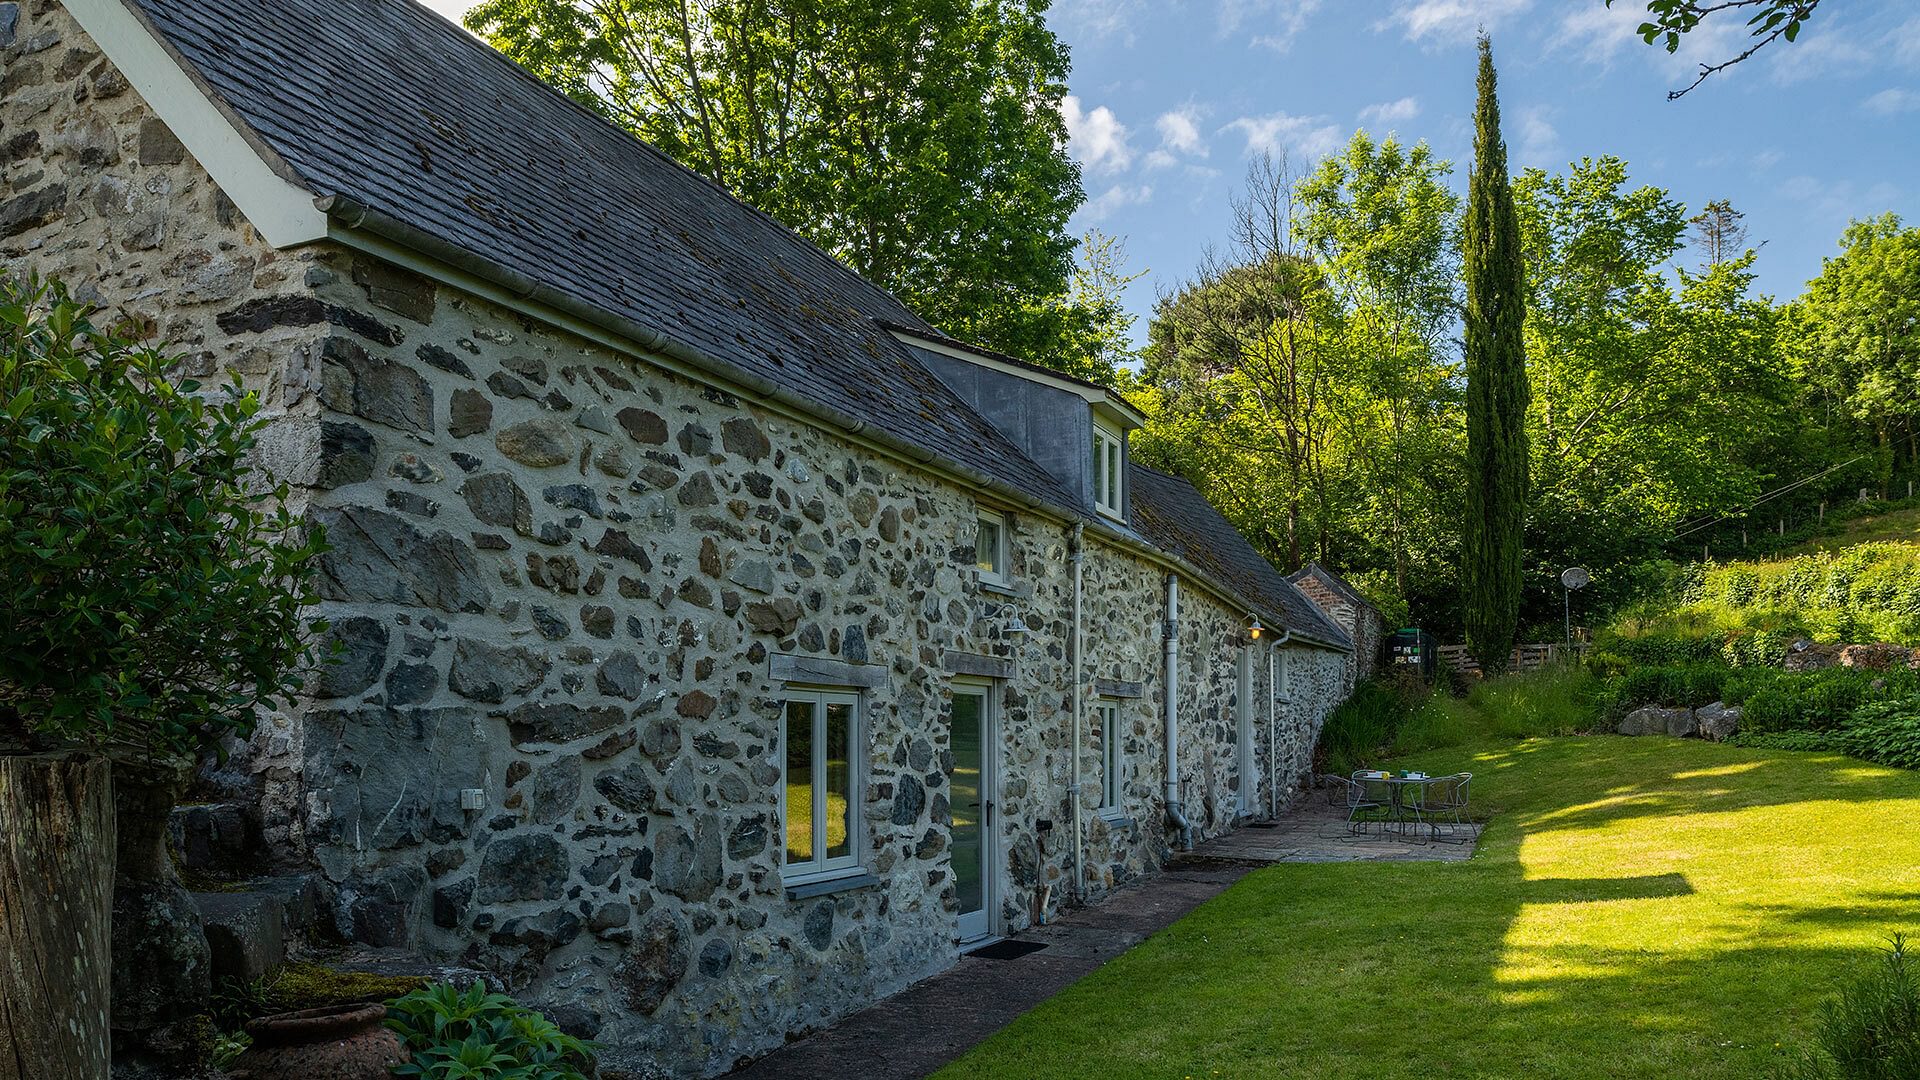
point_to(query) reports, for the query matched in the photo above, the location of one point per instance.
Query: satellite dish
(1575, 577)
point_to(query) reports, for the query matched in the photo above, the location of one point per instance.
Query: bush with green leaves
(155, 581)
(471, 1034)
(1871, 1031)
(1884, 732)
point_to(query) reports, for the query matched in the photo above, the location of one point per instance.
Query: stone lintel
(786, 667)
(1118, 689)
(990, 667)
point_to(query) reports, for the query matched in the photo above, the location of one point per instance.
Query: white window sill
(994, 585)
(1116, 817)
(830, 882)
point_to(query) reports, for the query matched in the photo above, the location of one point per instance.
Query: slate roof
(1174, 516)
(396, 109)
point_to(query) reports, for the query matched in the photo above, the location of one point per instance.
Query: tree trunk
(57, 839)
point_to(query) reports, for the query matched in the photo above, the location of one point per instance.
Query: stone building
(1353, 613)
(725, 648)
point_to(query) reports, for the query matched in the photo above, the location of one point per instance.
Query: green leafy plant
(1871, 1031)
(472, 1034)
(1885, 732)
(155, 580)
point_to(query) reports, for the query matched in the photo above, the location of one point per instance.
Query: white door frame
(985, 923)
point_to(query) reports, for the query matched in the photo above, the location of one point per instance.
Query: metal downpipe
(1077, 556)
(1175, 816)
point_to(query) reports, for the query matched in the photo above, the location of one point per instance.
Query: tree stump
(57, 841)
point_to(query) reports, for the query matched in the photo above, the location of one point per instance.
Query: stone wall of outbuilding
(564, 580)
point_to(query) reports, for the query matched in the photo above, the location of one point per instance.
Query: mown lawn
(1638, 908)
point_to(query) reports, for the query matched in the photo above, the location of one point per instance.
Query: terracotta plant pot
(339, 1042)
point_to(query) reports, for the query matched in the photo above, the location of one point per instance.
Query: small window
(822, 732)
(1107, 719)
(1282, 685)
(990, 547)
(1109, 472)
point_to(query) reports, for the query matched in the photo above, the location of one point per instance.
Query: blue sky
(1169, 97)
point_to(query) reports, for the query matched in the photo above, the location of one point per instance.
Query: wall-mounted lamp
(1254, 629)
(1015, 625)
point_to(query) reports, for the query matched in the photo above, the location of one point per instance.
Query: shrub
(1872, 1030)
(1551, 701)
(1364, 723)
(1886, 732)
(154, 583)
(475, 1035)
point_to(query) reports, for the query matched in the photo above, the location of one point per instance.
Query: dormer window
(1109, 472)
(990, 547)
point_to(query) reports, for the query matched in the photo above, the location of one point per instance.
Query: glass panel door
(972, 839)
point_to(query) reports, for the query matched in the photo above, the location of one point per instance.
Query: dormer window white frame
(992, 548)
(1109, 471)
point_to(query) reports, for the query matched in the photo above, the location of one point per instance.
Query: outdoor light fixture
(1254, 629)
(1015, 625)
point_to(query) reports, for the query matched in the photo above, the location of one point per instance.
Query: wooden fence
(1525, 657)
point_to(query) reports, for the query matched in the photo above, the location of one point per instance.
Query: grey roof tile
(388, 104)
(1175, 517)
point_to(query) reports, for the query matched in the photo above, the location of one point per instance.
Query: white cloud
(1098, 19)
(1180, 131)
(1816, 57)
(1388, 113)
(1906, 41)
(1097, 139)
(1275, 23)
(1539, 139)
(1450, 21)
(1766, 159)
(1833, 199)
(1892, 101)
(1113, 199)
(1596, 32)
(1281, 133)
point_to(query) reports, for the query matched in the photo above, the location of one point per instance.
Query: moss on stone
(314, 986)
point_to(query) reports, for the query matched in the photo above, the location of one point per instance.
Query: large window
(1109, 473)
(990, 547)
(1107, 719)
(822, 737)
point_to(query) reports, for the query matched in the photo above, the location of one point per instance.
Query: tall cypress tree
(1496, 390)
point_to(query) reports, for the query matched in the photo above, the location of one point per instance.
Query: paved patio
(1318, 833)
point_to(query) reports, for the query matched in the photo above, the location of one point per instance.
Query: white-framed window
(820, 765)
(1109, 472)
(1282, 683)
(1112, 762)
(990, 547)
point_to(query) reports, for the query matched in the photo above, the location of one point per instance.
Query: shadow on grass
(1398, 971)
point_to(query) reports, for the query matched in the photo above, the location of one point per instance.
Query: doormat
(1009, 949)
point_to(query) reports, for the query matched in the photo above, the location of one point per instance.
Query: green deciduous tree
(920, 141)
(1858, 327)
(1494, 318)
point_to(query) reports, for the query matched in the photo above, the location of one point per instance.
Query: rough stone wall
(96, 191)
(560, 578)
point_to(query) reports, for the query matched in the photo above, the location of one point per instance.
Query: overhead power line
(1768, 497)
